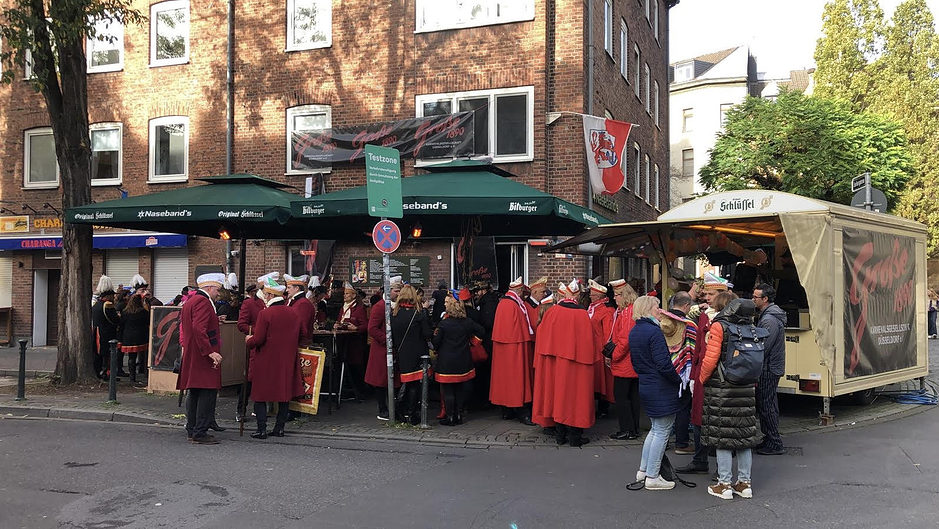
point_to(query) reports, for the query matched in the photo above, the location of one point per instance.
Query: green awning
(445, 198)
(246, 205)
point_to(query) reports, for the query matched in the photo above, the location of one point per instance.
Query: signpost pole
(389, 358)
(868, 201)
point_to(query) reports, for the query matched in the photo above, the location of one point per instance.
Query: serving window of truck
(852, 282)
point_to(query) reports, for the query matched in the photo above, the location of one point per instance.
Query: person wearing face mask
(658, 388)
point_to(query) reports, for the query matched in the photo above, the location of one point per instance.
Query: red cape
(511, 378)
(602, 323)
(510, 325)
(564, 369)
(275, 364)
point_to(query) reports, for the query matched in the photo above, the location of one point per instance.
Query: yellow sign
(17, 224)
(312, 362)
(47, 223)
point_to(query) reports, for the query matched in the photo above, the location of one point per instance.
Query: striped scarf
(682, 352)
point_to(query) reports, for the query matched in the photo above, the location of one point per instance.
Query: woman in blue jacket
(658, 388)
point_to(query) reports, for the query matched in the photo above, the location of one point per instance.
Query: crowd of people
(554, 359)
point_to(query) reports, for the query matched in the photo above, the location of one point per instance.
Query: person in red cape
(251, 307)
(297, 300)
(275, 365)
(510, 383)
(199, 371)
(376, 373)
(625, 379)
(601, 318)
(564, 370)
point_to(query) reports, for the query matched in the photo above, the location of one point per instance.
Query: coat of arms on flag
(605, 141)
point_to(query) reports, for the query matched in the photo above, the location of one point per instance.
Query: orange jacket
(712, 352)
(621, 363)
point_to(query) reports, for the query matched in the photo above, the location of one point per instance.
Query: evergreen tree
(851, 37)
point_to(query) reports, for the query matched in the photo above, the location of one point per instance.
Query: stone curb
(29, 373)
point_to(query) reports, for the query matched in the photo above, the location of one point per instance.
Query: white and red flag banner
(605, 140)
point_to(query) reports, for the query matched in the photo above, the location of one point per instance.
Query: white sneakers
(640, 475)
(659, 483)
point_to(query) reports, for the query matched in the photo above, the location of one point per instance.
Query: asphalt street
(76, 474)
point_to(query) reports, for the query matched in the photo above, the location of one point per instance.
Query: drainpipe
(589, 107)
(230, 124)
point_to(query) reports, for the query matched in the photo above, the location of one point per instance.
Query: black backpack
(742, 358)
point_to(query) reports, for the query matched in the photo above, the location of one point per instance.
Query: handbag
(608, 349)
(667, 472)
(477, 351)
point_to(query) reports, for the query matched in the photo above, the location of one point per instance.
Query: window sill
(106, 69)
(168, 179)
(105, 183)
(50, 185)
(317, 46)
(479, 24)
(169, 62)
(324, 170)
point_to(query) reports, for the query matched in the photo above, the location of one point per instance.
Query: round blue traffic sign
(387, 236)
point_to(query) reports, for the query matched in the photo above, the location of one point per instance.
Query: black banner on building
(444, 136)
(164, 337)
(476, 261)
(879, 302)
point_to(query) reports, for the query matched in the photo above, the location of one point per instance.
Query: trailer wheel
(865, 397)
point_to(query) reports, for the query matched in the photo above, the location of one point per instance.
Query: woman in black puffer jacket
(729, 420)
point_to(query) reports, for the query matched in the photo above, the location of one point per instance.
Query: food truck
(852, 282)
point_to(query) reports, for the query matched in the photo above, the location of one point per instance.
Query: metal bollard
(425, 383)
(21, 376)
(115, 368)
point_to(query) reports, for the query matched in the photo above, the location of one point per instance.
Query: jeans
(725, 464)
(653, 448)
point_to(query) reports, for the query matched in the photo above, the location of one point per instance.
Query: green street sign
(383, 181)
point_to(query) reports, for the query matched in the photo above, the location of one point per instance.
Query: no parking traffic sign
(386, 235)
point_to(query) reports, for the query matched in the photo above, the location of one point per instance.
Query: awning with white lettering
(100, 242)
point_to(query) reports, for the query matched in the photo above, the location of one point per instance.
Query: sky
(781, 34)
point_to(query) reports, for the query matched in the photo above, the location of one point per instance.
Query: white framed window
(687, 120)
(169, 149)
(27, 63)
(636, 59)
(648, 89)
(40, 166)
(504, 124)
(655, 104)
(608, 26)
(169, 33)
(106, 153)
(105, 50)
(437, 15)
(309, 24)
(687, 162)
(655, 19)
(684, 72)
(300, 120)
(658, 183)
(725, 108)
(637, 169)
(647, 166)
(623, 50)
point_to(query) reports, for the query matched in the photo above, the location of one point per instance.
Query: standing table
(331, 356)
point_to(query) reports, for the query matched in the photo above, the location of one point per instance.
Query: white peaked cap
(212, 279)
(231, 281)
(348, 286)
(273, 275)
(574, 286)
(300, 281)
(597, 287)
(562, 289)
(272, 287)
(517, 283)
(138, 281)
(396, 281)
(548, 300)
(314, 281)
(105, 285)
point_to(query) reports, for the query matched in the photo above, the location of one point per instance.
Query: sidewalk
(357, 420)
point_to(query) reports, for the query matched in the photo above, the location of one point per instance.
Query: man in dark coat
(773, 319)
(275, 365)
(199, 369)
(104, 321)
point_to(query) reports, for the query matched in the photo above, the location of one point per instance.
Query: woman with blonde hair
(658, 388)
(454, 367)
(410, 330)
(625, 379)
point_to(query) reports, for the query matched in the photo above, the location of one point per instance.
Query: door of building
(512, 261)
(6, 281)
(52, 302)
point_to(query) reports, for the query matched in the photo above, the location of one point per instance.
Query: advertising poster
(879, 304)
(312, 362)
(164, 337)
(367, 271)
(476, 261)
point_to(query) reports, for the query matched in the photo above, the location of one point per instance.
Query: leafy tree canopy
(807, 146)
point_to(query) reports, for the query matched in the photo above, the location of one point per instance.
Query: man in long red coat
(199, 368)
(513, 335)
(297, 300)
(251, 307)
(275, 365)
(564, 370)
(601, 318)
(376, 373)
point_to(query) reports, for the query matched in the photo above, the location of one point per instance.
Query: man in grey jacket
(773, 319)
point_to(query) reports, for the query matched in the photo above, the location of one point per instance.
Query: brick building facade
(157, 99)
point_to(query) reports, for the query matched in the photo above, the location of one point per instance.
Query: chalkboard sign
(164, 337)
(367, 271)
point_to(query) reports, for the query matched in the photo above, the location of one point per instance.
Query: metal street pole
(868, 201)
(389, 358)
(21, 374)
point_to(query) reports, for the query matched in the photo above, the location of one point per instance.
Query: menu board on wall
(367, 271)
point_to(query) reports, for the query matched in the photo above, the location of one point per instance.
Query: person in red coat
(199, 368)
(564, 370)
(251, 307)
(352, 347)
(275, 365)
(376, 373)
(601, 318)
(297, 300)
(510, 383)
(625, 379)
